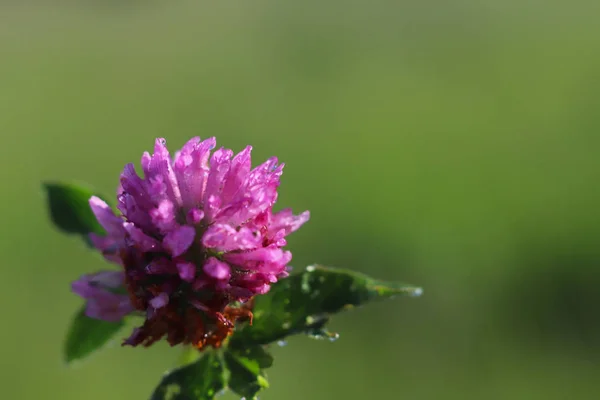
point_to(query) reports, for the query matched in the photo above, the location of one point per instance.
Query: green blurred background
(450, 144)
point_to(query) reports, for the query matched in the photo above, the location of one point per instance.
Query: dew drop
(281, 343)
(310, 268)
(305, 284)
(313, 335)
(172, 391)
(322, 334)
(417, 292)
(162, 141)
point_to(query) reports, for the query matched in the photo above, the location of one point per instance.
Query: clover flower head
(196, 238)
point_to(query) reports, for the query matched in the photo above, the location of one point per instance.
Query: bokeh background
(450, 144)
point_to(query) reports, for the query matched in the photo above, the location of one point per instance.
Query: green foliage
(200, 380)
(87, 335)
(303, 303)
(69, 209)
(246, 370)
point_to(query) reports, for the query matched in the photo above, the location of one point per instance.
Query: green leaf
(303, 303)
(246, 375)
(68, 205)
(201, 380)
(87, 335)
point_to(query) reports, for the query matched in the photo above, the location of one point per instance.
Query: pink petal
(144, 242)
(219, 166)
(102, 300)
(134, 338)
(187, 271)
(158, 169)
(266, 259)
(133, 185)
(108, 246)
(163, 216)
(211, 207)
(237, 175)
(258, 199)
(160, 301)
(194, 216)
(287, 221)
(178, 241)
(112, 311)
(225, 238)
(89, 285)
(191, 170)
(255, 283)
(106, 217)
(217, 269)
